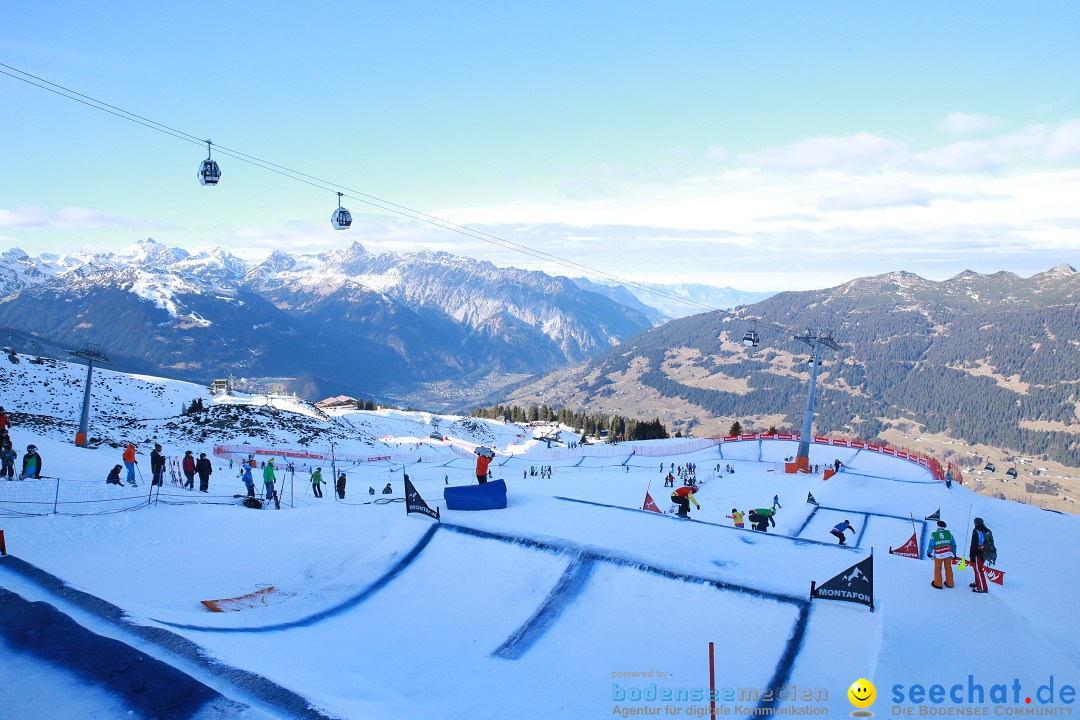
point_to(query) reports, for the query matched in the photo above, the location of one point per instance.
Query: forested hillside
(988, 359)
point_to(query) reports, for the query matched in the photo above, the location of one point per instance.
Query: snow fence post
(56, 497)
(3, 545)
(712, 682)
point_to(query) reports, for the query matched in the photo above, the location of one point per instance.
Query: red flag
(994, 575)
(909, 549)
(650, 505)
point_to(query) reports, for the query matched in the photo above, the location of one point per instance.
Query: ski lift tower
(816, 341)
(91, 353)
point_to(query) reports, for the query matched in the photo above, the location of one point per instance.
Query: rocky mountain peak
(151, 253)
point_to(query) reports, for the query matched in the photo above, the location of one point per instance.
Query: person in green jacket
(268, 478)
(762, 518)
(943, 550)
(317, 482)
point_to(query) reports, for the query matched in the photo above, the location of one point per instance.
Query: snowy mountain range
(355, 320)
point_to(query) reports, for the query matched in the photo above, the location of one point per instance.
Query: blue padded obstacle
(489, 496)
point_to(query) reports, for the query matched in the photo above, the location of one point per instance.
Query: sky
(654, 142)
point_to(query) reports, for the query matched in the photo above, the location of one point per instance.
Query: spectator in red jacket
(188, 467)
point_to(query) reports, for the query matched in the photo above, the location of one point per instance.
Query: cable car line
(359, 196)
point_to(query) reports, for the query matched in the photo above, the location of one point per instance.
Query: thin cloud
(959, 123)
(859, 153)
(791, 217)
(877, 198)
(72, 218)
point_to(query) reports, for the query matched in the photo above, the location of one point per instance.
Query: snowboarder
(736, 517)
(157, 465)
(683, 497)
(31, 464)
(370, 490)
(943, 550)
(761, 517)
(249, 483)
(317, 482)
(130, 462)
(114, 476)
(189, 470)
(268, 479)
(205, 470)
(387, 490)
(841, 528)
(7, 460)
(340, 487)
(982, 552)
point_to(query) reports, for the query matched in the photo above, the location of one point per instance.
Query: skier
(736, 517)
(189, 470)
(7, 459)
(683, 497)
(776, 502)
(31, 464)
(249, 483)
(943, 550)
(130, 462)
(317, 482)
(839, 530)
(268, 479)
(340, 487)
(5, 421)
(205, 470)
(157, 465)
(982, 552)
(114, 476)
(948, 480)
(388, 490)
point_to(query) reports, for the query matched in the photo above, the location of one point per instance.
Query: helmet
(694, 488)
(31, 448)
(734, 510)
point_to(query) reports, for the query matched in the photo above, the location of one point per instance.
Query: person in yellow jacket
(737, 517)
(683, 497)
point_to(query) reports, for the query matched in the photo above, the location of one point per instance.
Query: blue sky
(773, 145)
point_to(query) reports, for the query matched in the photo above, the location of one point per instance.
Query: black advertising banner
(856, 584)
(415, 503)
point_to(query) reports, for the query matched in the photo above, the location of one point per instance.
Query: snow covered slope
(572, 602)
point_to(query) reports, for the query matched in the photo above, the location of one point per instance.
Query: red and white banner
(992, 574)
(909, 549)
(650, 505)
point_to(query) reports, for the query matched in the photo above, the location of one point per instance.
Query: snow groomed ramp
(492, 607)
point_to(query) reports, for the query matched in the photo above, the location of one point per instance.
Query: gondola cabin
(209, 172)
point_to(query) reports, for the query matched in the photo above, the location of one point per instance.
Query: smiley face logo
(862, 693)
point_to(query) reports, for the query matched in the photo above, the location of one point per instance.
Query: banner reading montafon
(415, 503)
(856, 584)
